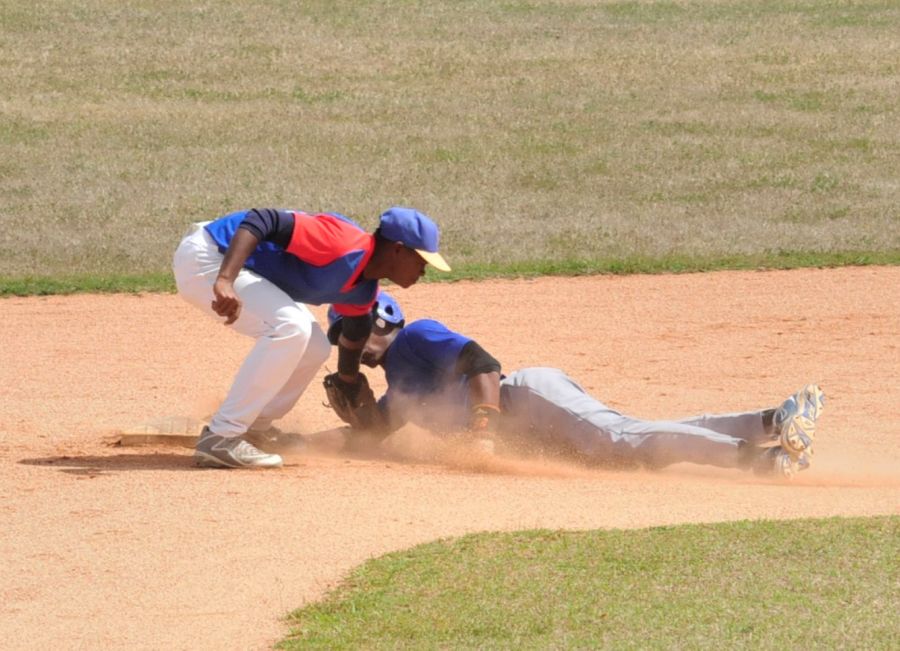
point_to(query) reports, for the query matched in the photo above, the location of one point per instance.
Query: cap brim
(435, 259)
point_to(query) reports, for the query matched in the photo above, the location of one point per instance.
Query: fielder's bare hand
(226, 302)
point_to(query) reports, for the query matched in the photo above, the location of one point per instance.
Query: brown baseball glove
(354, 403)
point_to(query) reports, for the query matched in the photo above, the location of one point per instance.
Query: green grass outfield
(164, 282)
(566, 135)
(804, 584)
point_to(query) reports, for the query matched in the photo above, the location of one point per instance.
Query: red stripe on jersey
(322, 239)
(351, 281)
(354, 310)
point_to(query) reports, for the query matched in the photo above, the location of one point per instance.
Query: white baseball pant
(290, 345)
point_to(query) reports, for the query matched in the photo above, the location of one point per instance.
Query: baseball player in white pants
(290, 345)
(258, 269)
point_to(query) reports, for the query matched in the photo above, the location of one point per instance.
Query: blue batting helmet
(386, 312)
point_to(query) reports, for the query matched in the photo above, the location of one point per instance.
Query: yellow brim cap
(435, 259)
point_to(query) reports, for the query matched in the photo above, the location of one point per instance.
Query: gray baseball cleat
(795, 420)
(214, 451)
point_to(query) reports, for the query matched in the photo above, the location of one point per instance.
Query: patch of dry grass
(531, 131)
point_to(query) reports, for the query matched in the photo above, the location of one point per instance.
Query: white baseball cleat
(795, 421)
(214, 451)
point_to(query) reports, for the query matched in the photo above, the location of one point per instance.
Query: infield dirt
(133, 548)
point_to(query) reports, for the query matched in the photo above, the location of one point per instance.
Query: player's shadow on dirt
(99, 466)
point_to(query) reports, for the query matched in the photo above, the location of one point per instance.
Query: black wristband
(348, 361)
(356, 328)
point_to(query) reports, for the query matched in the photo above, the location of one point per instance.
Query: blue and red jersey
(322, 263)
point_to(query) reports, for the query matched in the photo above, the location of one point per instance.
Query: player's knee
(293, 326)
(318, 349)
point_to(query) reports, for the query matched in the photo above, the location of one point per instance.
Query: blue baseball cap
(415, 230)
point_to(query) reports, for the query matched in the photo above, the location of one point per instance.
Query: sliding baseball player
(446, 382)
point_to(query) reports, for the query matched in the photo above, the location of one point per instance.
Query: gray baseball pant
(555, 410)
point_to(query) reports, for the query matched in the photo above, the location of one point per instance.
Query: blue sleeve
(420, 362)
(421, 366)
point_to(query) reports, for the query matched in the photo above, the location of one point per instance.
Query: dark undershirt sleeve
(474, 360)
(269, 225)
(356, 328)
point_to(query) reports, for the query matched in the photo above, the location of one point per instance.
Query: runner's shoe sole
(796, 419)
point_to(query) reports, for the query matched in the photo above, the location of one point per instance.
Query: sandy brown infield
(107, 547)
